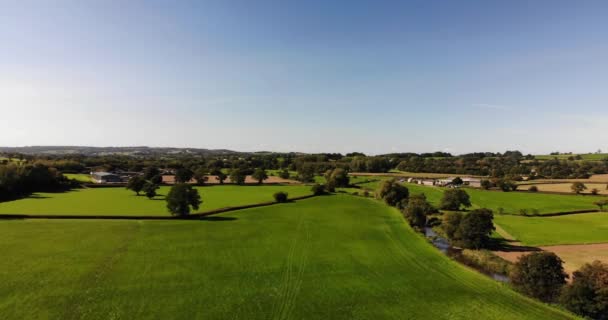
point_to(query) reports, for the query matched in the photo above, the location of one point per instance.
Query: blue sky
(312, 76)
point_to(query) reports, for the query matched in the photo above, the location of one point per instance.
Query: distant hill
(98, 151)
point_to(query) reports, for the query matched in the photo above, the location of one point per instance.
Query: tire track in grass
(292, 280)
(89, 295)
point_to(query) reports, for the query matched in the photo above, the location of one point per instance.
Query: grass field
(568, 229)
(511, 202)
(584, 156)
(81, 177)
(334, 257)
(119, 201)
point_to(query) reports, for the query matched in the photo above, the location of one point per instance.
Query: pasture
(513, 202)
(584, 156)
(120, 201)
(567, 229)
(80, 177)
(332, 257)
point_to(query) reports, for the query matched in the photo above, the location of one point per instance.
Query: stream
(444, 246)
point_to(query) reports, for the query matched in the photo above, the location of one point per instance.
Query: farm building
(472, 182)
(105, 177)
(426, 182)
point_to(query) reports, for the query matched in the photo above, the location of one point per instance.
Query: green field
(333, 257)
(119, 201)
(81, 177)
(584, 156)
(568, 229)
(513, 202)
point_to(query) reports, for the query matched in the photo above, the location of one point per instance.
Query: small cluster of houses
(445, 182)
(118, 176)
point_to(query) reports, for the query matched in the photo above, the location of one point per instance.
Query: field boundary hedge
(554, 214)
(193, 216)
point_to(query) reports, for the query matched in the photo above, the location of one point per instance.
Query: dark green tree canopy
(200, 175)
(318, 189)
(475, 229)
(181, 198)
(280, 197)
(183, 175)
(540, 275)
(454, 199)
(149, 189)
(151, 173)
(417, 210)
(337, 177)
(393, 193)
(237, 176)
(136, 184)
(260, 175)
(587, 295)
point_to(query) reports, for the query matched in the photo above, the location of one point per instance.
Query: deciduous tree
(540, 275)
(136, 184)
(181, 198)
(453, 199)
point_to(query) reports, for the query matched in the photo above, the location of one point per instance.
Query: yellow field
(565, 187)
(597, 178)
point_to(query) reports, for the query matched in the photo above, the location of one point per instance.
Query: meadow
(569, 229)
(80, 177)
(510, 202)
(120, 201)
(332, 257)
(584, 156)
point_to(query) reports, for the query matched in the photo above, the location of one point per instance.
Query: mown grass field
(511, 202)
(81, 177)
(333, 257)
(584, 156)
(119, 201)
(568, 229)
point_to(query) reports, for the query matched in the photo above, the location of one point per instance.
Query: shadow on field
(218, 218)
(510, 246)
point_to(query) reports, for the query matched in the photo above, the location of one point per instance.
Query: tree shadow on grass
(509, 246)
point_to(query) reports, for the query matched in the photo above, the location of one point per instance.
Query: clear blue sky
(313, 76)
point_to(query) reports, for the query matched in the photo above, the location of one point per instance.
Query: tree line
(18, 180)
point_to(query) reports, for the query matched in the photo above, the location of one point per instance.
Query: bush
(578, 187)
(284, 174)
(366, 193)
(318, 189)
(486, 261)
(280, 197)
(540, 275)
(595, 191)
(533, 189)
